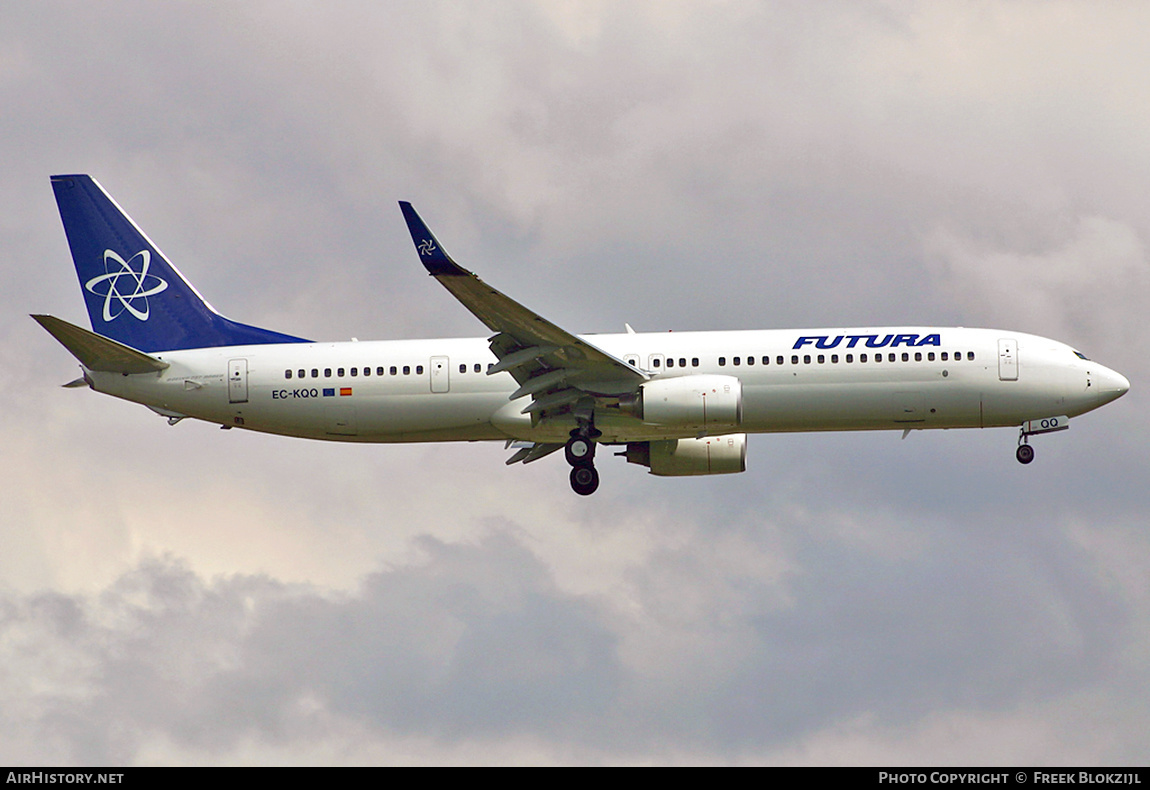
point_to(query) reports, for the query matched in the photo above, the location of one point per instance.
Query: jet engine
(702, 402)
(710, 455)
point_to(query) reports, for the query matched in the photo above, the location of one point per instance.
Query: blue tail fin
(134, 294)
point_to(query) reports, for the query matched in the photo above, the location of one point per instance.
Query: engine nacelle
(711, 455)
(696, 402)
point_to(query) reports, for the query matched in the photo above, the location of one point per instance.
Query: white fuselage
(792, 380)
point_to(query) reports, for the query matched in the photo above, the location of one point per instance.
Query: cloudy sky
(186, 595)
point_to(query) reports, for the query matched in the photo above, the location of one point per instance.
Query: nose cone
(1110, 384)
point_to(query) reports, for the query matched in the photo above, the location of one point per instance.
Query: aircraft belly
(382, 418)
(859, 406)
(418, 414)
(321, 413)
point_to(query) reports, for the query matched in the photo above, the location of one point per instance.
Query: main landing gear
(580, 453)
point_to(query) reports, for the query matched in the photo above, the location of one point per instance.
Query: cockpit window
(1080, 355)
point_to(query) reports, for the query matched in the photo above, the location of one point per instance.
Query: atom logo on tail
(119, 300)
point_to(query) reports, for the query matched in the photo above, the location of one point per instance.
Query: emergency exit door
(440, 374)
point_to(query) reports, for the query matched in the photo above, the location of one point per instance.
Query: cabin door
(1008, 359)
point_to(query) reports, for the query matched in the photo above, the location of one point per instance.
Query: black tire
(579, 451)
(584, 480)
(1024, 454)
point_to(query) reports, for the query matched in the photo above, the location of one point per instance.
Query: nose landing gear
(1025, 453)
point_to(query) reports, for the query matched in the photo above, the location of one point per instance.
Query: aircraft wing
(556, 368)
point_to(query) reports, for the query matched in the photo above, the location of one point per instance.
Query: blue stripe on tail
(133, 293)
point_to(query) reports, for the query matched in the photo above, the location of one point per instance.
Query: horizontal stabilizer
(97, 352)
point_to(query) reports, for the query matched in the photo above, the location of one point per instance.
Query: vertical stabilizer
(133, 293)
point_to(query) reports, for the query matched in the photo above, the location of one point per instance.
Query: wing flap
(527, 452)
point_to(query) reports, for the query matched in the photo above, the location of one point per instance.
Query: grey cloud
(450, 648)
(476, 642)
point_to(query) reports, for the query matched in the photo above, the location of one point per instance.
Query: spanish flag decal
(344, 391)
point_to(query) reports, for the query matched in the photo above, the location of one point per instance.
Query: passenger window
(301, 372)
(766, 360)
(315, 373)
(890, 357)
(806, 359)
(905, 357)
(392, 370)
(355, 371)
(477, 367)
(918, 356)
(750, 360)
(654, 362)
(367, 371)
(970, 355)
(407, 370)
(340, 372)
(419, 369)
(822, 359)
(287, 374)
(722, 362)
(670, 362)
(737, 360)
(682, 362)
(327, 373)
(779, 360)
(794, 359)
(834, 359)
(463, 368)
(851, 358)
(930, 357)
(945, 356)
(694, 362)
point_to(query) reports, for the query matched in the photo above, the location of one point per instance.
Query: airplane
(678, 403)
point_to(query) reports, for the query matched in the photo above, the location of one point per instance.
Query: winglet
(435, 259)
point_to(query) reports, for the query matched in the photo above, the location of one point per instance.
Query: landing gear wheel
(1024, 454)
(580, 451)
(584, 480)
